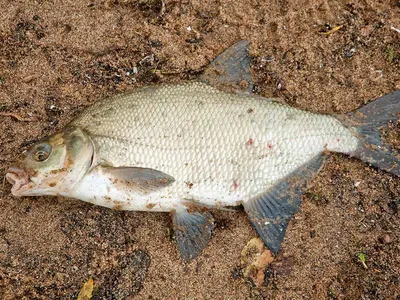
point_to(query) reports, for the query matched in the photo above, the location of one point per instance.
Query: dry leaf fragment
(264, 259)
(255, 258)
(86, 290)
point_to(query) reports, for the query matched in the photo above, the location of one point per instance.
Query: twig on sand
(395, 29)
(162, 10)
(18, 117)
(334, 29)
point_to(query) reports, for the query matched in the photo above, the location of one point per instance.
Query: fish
(208, 143)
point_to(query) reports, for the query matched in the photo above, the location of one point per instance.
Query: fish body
(221, 149)
(186, 147)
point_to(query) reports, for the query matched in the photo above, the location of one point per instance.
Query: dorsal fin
(231, 69)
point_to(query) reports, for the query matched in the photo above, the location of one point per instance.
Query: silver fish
(190, 146)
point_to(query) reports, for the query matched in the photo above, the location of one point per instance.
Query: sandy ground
(56, 57)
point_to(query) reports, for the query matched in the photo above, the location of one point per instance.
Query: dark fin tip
(230, 71)
(271, 212)
(192, 231)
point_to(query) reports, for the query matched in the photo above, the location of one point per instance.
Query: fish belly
(222, 149)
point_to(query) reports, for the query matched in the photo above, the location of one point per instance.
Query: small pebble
(350, 52)
(387, 239)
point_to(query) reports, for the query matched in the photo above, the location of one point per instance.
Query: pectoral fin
(192, 231)
(271, 212)
(141, 179)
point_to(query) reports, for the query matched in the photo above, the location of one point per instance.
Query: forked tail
(369, 122)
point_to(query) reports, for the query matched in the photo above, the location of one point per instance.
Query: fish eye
(41, 152)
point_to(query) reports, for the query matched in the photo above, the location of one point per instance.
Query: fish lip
(19, 180)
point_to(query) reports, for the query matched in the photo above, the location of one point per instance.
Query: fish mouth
(19, 180)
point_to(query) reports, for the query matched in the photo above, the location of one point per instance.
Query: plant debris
(255, 259)
(395, 29)
(19, 118)
(86, 290)
(334, 29)
(361, 256)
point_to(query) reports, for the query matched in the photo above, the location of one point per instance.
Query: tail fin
(368, 121)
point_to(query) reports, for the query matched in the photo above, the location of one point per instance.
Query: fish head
(54, 165)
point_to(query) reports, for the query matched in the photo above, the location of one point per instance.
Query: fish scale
(200, 136)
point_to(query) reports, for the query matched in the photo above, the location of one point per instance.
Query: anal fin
(192, 231)
(271, 211)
